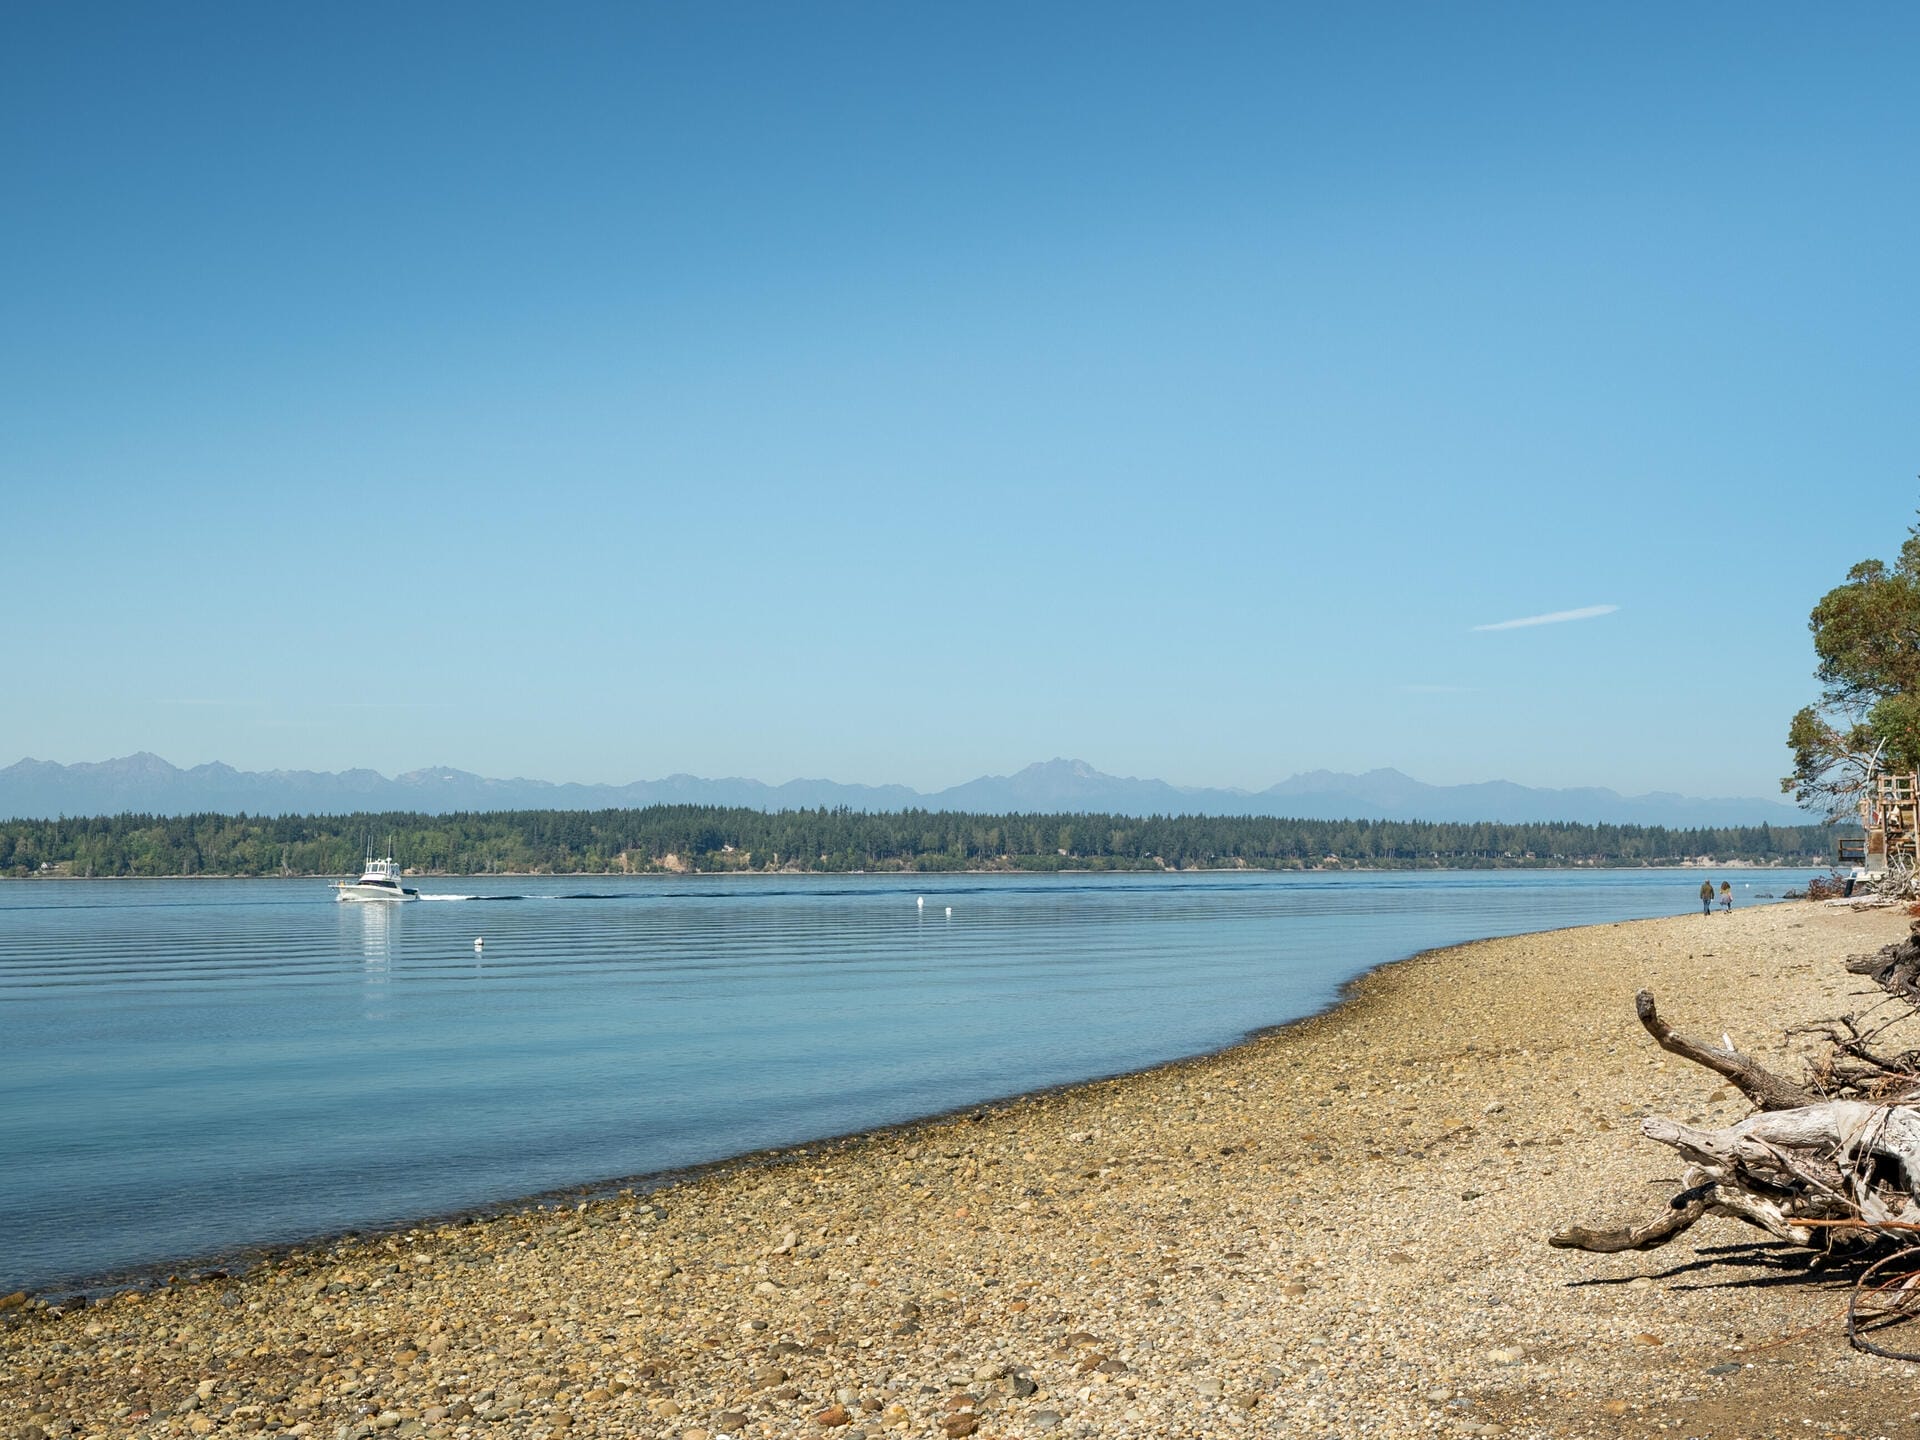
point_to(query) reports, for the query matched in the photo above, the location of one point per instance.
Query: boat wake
(583, 896)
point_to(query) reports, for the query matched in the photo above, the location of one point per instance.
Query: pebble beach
(1333, 1229)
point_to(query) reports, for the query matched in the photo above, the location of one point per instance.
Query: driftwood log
(1766, 1090)
(1820, 1173)
(1896, 969)
(1831, 1165)
(1862, 1061)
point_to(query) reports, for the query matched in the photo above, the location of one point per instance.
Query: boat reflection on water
(374, 930)
(370, 928)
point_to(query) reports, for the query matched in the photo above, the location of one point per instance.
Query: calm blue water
(188, 1066)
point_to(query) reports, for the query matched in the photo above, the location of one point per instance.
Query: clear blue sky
(908, 392)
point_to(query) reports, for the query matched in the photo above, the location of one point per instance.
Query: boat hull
(376, 894)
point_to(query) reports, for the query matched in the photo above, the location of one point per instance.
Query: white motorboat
(380, 880)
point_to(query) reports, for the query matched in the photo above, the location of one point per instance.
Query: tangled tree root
(1831, 1166)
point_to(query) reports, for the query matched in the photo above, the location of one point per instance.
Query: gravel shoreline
(1336, 1228)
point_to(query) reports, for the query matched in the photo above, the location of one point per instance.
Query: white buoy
(921, 902)
(949, 912)
(479, 944)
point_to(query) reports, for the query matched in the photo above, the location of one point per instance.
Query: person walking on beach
(1726, 897)
(1706, 897)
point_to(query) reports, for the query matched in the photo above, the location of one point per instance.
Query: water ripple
(196, 1065)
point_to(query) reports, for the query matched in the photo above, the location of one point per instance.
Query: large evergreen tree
(1866, 633)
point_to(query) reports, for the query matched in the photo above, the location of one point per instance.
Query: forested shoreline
(712, 839)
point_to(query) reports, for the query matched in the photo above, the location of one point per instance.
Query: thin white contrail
(1585, 612)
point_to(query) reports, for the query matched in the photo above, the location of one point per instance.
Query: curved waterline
(198, 1068)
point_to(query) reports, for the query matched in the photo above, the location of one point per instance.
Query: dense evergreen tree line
(711, 838)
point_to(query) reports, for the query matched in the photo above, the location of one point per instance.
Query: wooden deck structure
(1890, 815)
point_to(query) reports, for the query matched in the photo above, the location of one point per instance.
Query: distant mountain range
(147, 784)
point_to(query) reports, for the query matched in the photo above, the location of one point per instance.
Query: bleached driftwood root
(1826, 1175)
(1832, 1165)
(1845, 1160)
(1847, 1131)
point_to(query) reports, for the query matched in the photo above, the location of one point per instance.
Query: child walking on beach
(1726, 897)
(1706, 897)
